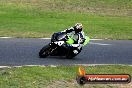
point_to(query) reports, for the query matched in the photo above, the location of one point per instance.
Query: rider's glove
(66, 38)
(80, 46)
(82, 41)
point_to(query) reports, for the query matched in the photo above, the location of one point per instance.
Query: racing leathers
(78, 37)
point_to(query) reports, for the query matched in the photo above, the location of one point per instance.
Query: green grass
(61, 76)
(109, 19)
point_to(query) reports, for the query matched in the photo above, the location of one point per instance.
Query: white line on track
(99, 44)
(50, 38)
(4, 66)
(90, 42)
(44, 38)
(99, 64)
(96, 39)
(64, 65)
(5, 37)
(90, 39)
(28, 66)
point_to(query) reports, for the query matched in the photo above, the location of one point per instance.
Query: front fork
(52, 48)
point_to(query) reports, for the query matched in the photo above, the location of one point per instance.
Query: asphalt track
(17, 52)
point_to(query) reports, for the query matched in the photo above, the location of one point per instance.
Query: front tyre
(44, 52)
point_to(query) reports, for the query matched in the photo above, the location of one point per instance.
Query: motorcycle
(62, 45)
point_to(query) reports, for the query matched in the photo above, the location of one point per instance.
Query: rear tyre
(70, 55)
(44, 52)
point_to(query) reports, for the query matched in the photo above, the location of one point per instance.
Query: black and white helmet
(78, 27)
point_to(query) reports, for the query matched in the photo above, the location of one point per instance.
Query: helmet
(78, 27)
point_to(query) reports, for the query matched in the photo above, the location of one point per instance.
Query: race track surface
(17, 52)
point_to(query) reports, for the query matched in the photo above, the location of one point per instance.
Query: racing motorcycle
(62, 45)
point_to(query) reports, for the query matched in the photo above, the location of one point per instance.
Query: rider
(76, 33)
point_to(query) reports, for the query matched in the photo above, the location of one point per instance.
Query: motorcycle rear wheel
(70, 55)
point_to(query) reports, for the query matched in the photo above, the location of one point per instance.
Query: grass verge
(109, 19)
(57, 77)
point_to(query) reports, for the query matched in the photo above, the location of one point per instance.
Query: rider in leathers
(76, 31)
(77, 34)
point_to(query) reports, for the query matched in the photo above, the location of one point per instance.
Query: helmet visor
(78, 30)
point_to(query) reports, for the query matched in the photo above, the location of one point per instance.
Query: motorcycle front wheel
(44, 52)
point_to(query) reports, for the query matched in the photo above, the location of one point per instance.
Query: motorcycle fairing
(87, 39)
